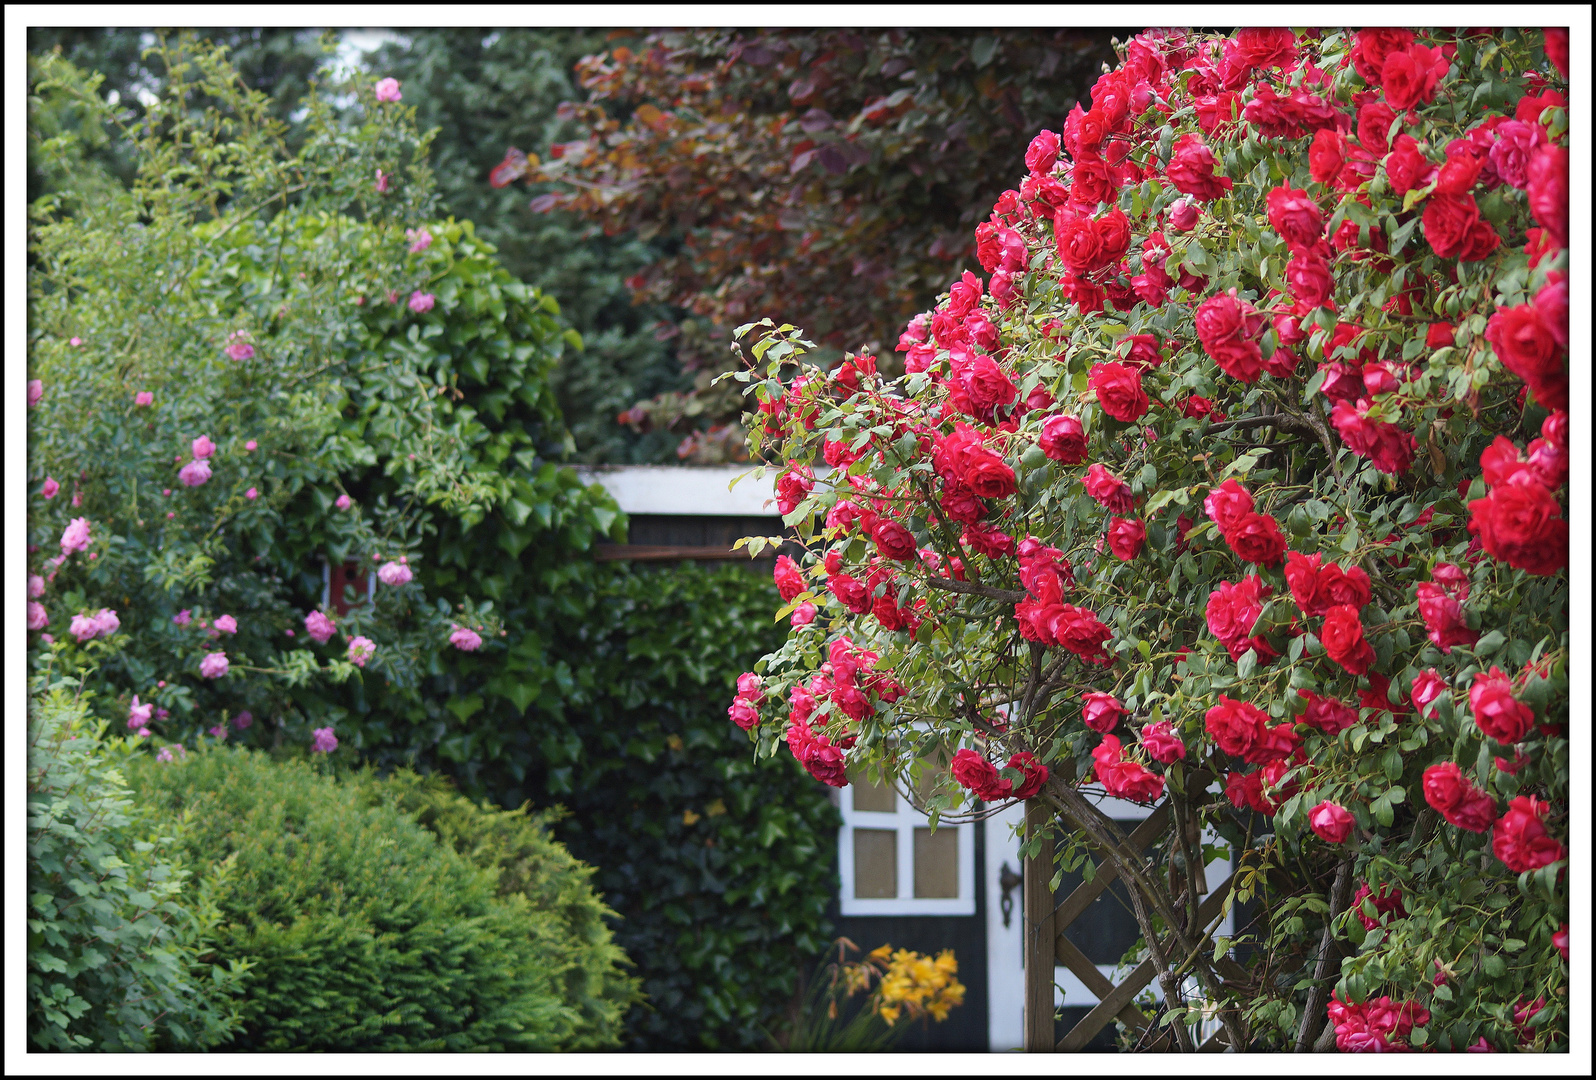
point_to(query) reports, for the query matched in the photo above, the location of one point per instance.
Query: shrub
(115, 940)
(365, 933)
(1231, 447)
(576, 945)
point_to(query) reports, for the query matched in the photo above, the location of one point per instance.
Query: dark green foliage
(114, 938)
(720, 866)
(366, 933)
(487, 90)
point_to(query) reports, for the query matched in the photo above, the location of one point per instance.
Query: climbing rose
(165, 753)
(1125, 537)
(1296, 217)
(1330, 822)
(203, 447)
(361, 649)
(465, 639)
(1343, 639)
(421, 302)
(421, 240)
(252, 493)
(1256, 538)
(804, 614)
(977, 774)
(1191, 169)
(214, 665)
(1387, 903)
(76, 536)
(237, 348)
(35, 391)
(1451, 794)
(38, 618)
(319, 627)
(243, 720)
(1119, 391)
(1519, 838)
(143, 398)
(226, 624)
(387, 90)
(1110, 490)
(1497, 712)
(1235, 725)
(394, 573)
(182, 618)
(1330, 715)
(1520, 523)
(35, 586)
(893, 540)
(789, 578)
(1162, 743)
(139, 714)
(49, 487)
(195, 472)
(1233, 609)
(1063, 439)
(1410, 76)
(324, 741)
(1102, 710)
(1428, 686)
(1443, 617)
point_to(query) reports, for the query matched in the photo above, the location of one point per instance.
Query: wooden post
(1039, 935)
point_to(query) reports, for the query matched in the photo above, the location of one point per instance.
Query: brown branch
(1313, 1012)
(972, 588)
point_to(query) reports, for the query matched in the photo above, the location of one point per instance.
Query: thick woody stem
(1313, 1012)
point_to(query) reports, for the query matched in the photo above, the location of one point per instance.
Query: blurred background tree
(800, 173)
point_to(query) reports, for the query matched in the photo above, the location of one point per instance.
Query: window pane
(875, 864)
(878, 798)
(936, 862)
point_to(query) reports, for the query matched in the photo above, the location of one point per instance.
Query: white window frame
(904, 820)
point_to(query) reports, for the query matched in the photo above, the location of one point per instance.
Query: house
(958, 886)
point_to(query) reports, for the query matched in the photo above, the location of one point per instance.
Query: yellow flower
(889, 1014)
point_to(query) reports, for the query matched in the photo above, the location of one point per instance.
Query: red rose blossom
(1343, 639)
(1063, 439)
(1520, 523)
(1102, 711)
(1235, 725)
(1161, 742)
(1125, 537)
(1119, 391)
(1256, 538)
(1411, 75)
(1330, 822)
(1520, 839)
(1497, 712)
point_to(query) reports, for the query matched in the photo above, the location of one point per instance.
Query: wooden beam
(669, 552)
(1079, 900)
(1040, 934)
(1123, 994)
(1070, 955)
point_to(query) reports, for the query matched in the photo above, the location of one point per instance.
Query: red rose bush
(1239, 480)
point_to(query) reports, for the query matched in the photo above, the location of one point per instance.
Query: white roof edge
(698, 490)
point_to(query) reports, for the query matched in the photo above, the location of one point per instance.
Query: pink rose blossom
(382, 182)
(227, 624)
(804, 614)
(49, 488)
(388, 89)
(77, 500)
(195, 472)
(465, 639)
(342, 502)
(319, 627)
(143, 398)
(87, 627)
(421, 237)
(48, 639)
(35, 586)
(138, 715)
(420, 301)
(203, 447)
(38, 618)
(394, 573)
(166, 752)
(325, 741)
(75, 342)
(252, 444)
(289, 632)
(238, 349)
(251, 494)
(76, 536)
(219, 731)
(1331, 822)
(182, 617)
(35, 391)
(170, 514)
(243, 720)
(214, 665)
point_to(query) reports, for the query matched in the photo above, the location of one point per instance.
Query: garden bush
(341, 379)
(1217, 490)
(118, 947)
(366, 933)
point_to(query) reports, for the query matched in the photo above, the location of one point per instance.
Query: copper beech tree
(833, 175)
(1237, 479)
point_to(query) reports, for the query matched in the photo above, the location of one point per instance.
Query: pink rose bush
(1338, 585)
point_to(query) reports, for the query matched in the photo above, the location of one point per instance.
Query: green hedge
(366, 933)
(720, 866)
